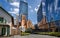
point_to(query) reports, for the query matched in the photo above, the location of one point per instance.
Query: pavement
(31, 36)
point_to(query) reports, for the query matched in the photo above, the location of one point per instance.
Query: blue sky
(13, 8)
(33, 8)
(33, 5)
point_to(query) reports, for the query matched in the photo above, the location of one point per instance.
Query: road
(31, 36)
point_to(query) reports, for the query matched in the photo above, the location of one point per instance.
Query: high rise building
(39, 14)
(23, 9)
(50, 10)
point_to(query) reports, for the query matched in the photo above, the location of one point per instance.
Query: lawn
(50, 33)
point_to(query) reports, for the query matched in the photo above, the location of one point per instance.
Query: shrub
(29, 30)
(50, 33)
(55, 34)
(24, 34)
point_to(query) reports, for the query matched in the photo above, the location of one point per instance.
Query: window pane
(58, 3)
(1, 20)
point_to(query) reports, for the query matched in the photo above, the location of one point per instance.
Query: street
(31, 36)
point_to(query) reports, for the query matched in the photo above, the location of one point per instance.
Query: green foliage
(24, 34)
(29, 30)
(55, 34)
(50, 33)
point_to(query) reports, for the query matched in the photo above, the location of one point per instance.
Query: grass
(50, 33)
(55, 34)
(24, 34)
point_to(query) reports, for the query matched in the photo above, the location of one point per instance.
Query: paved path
(31, 36)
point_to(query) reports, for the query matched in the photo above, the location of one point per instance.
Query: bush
(29, 30)
(55, 34)
(50, 33)
(24, 34)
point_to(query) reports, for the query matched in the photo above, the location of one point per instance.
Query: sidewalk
(31, 36)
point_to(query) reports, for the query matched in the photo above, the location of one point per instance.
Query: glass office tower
(23, 9)
(49, 9)
(39, 14)
(52, 9)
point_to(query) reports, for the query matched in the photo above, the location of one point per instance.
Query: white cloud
(14, 13)
(36, 9)
(29, 6)
(44, 13)
(31, 10)
(56, 4)
(16, 10)
(43, 3)
(15, 4)
(17, 14)
(38, 5)
(50, 8)
(24, 0)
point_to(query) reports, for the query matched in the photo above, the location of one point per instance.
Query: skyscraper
(39, 13)
(51, 9)
(23, 9)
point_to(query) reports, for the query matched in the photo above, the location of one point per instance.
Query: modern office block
(23, 9)
(39, 14)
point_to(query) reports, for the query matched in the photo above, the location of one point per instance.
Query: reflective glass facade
(39, 14)
(23, 10)
(52, 9)
(58, 3)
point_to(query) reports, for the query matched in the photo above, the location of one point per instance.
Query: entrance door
(8, 31)
(3, 31)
